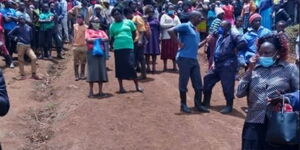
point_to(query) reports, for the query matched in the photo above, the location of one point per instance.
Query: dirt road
(56, 114)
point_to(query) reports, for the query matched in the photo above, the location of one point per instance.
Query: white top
(167, 22)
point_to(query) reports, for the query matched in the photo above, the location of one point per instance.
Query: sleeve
(4, 100)
(177, 20)
(243, 87)
(294, 77)
(140, 23)
(132, 26)
(181, 28)
(111, 33)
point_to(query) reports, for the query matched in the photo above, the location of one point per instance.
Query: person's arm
(12, 34)
(202, 43)
(163, 23)
(243, 86)
(4, 100)
(173, 32)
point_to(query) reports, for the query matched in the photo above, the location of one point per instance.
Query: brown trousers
(22, 50)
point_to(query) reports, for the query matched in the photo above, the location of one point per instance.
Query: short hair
(116, 9)
(280, 43)
(127, 11)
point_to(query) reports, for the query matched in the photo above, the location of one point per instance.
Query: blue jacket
(4, 100)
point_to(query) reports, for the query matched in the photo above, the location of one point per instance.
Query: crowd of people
(235, 34)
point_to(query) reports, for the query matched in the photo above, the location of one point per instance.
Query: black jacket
(4, 100)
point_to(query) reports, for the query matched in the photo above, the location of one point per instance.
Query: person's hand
(181, 45)
(252, 62)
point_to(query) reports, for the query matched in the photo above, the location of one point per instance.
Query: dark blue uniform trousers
(225, 74)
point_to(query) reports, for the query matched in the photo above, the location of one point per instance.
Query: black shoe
(184, 108)
(202, 108)
(226, 110)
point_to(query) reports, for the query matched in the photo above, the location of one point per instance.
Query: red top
(99, 34)
(228, 12)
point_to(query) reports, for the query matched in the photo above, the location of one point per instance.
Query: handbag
(97, 50)
(283, 127)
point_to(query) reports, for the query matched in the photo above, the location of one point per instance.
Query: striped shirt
(264, 82)
(214, 26)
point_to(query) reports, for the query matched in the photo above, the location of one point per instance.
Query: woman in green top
(122, 33)
(46, 28)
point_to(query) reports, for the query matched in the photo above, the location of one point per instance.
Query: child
(79, 48)
(22, 34)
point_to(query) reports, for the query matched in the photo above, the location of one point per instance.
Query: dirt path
(68, 120)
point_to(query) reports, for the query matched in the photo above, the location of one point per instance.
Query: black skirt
(254, 135)
(125, 64)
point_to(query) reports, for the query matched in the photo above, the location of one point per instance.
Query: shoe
(226, 110)
(12, 65)
(60, 57)
(184, 108)
(202, 108)
(77, 78)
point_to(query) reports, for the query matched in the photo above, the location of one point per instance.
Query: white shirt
(167, 22)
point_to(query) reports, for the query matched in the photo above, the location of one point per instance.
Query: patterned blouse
(264, 82)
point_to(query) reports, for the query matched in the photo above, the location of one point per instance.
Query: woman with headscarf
(122, 34)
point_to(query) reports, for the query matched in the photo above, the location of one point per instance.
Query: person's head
(22, 6)
(128, 13)
(7, 4)
(80, 19)
(84, 3)
(212, 6)
(225, 27)
(272, 48)
(105, 3)
(219, 12)
(22, 20)
(239, 22)
(246, 1)
(27, 2)
(132, 5)
(186, 6)
(98, 9)
(36, 3)
(94, 23)
(225, 2)
(117, 14)
(171, 10)
(52, 6)
(196, 17)
(149, 10)
(280, 26)
(45, 8)
(255, 21)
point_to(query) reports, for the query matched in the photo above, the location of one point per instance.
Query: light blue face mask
(171, 12)
(266, 61)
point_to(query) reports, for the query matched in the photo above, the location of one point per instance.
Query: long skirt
(96, 68)
(266, 20)
(125, 64)
(169, 49)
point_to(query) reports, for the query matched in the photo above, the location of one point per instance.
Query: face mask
(220, 30)
(266, 61)
(171, 12)
(96, 26)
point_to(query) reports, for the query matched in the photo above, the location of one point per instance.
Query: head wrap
(253, 17)
(219, 10)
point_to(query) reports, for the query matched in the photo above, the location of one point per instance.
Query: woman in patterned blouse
(268, 73)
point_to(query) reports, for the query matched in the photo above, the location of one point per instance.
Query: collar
(191, 25)
(259, 29)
